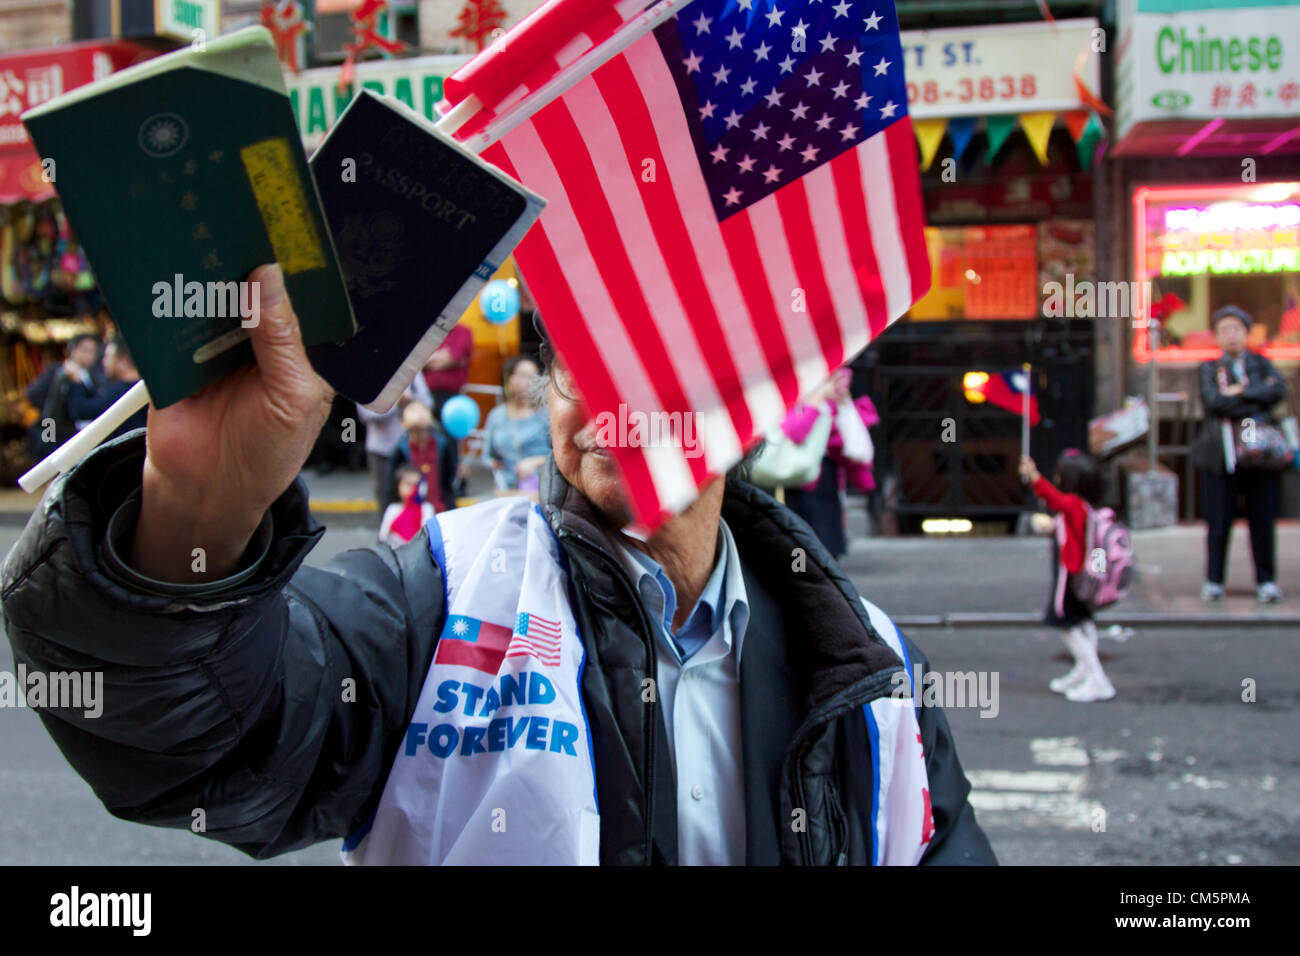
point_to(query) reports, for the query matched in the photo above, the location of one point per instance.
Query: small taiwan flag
(469, 642)
(1004, 389)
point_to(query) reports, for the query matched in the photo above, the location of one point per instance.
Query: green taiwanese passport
(180, 176)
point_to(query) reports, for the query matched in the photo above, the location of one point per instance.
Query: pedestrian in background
(87, 402)
(49, 394)
(518, 432)
(848, 461)
(427, 448)
(1078, 488)
(404, 518)
(383, 431)
(447, 370)
(1238, 386)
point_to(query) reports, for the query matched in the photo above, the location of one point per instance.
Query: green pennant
(998, 129)
(1088, 139)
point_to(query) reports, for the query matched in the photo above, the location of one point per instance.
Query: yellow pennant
(1038, 130)
(929, 134)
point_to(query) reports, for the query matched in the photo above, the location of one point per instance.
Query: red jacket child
(1074, 515)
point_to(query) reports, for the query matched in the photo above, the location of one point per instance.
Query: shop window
(1204, 247)
(1005, 272)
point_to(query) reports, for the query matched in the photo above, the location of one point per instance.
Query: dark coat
(1264, 389)
(229, 698)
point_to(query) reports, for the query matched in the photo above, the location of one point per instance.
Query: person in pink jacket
(846, 465)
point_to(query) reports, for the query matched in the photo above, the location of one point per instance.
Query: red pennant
(1075, 121)
(1087, 97)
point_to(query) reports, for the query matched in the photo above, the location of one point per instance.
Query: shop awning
(34, 76)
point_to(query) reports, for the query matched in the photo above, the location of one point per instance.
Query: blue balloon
(459, 416)
(499, 301)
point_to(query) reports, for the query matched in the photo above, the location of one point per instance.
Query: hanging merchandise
(70, 270)
(40, 250)
(9, 254)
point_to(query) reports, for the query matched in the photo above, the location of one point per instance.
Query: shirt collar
(723, 598)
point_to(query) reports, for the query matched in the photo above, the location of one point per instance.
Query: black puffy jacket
(230, 700)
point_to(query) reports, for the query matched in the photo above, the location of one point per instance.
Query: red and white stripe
(656, 305)
(542, 641)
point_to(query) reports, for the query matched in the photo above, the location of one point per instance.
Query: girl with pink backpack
(1075, 499)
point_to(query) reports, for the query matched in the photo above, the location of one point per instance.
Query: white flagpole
(81, 444)
(1024, 414)
(583, 66)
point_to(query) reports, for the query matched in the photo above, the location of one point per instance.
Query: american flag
(536, 637)
(734, 207)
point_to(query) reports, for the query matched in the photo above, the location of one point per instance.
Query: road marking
(1059, 751)
(1017, 799)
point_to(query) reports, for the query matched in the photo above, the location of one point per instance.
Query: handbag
(853, 432)
(1250, 444)
(786, 464)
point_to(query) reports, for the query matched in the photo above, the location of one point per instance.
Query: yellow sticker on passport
(282, 202)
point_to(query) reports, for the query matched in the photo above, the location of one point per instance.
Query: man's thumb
(273, 328)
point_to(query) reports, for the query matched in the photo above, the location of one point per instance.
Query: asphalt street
(1178, 769)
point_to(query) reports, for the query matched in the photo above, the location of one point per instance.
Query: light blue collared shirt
(698, 686)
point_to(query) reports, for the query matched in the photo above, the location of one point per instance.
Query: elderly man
(520, 683)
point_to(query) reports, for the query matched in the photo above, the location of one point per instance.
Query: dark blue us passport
(420, 225)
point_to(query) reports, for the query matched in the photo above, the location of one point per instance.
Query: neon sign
(1213, 229)
(1221, 261)
(1232, 217)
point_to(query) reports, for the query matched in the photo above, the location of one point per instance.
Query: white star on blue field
(774, 88)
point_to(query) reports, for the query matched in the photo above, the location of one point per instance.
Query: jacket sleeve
(1216, 403)
(264, 714)
(1266, 388)
(83, 403)
(957, 839)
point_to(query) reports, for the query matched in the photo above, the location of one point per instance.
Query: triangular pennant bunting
(1075, 121)
(929, 134)
(1038, 130)
(998, 129)
(1088, 139)
(961, 129)
(1087, 97)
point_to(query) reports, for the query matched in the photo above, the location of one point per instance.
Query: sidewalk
(954, 581)
(940, 581)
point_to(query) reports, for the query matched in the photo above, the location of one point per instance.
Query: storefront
(47, 292)
(1207, 178)
(1008, 138)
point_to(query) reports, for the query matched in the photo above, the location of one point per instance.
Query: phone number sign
(1009, 68)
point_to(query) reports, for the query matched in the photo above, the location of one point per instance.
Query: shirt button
(697, 792)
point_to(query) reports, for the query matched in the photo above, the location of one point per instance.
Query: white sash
(496, 766)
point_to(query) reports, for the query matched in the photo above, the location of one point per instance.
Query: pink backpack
(1107, 569)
